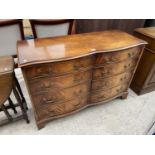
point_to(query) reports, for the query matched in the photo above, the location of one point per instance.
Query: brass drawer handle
(131, 54)
(39, 70)
(119, 89)
(104, 70)
(114, 59)
(43, 85)
(103, 73)
(48, 85)
(78, 92)
(102, 96)
(123, 78)
(104, 84)
(45, 101)
(78, 78)
(127, 66)
(110, 62)
(77, 66)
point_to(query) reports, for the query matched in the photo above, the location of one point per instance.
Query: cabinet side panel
(140, 78)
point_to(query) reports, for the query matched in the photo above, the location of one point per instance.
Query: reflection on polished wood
(69, 47)
(67, 74)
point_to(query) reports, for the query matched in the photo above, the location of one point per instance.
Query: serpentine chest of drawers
(66, 74)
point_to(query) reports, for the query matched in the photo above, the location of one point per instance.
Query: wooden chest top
(73, 46)
(147, 34)
(148, 31)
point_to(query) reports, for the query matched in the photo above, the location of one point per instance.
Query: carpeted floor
(134, 115)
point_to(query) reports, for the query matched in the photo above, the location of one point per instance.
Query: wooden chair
(52, 28)
(7, 85)
(10, 32)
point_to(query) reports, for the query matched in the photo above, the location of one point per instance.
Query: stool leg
(21, 104)
(6, 113)
(20, 92)
(12, 105)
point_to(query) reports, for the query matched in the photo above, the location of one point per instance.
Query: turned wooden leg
(20, 92)
(12, 105)
(124, 96)
(21, 104)
(10, 119)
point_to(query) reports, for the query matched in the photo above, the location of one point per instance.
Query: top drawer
(58, 68)
(114, 57)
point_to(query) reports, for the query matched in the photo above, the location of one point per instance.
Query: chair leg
(20, 92)
(6, 113)
(12, 105)
(21, 104)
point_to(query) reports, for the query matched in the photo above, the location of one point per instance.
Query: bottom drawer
(61, 108)
(102, 95)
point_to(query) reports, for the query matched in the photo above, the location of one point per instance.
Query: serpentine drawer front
(67, 74)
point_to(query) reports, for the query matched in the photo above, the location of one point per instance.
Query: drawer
(113, 69)
(55, 95)
(71, 65)
(119, 89)
(58, 68)
(99, 96)
(36, 71)
(62, 108)
(111, 81)
(60, 82)
(113, 57)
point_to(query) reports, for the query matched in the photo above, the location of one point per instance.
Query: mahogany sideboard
(144, 79)
(67, 74)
